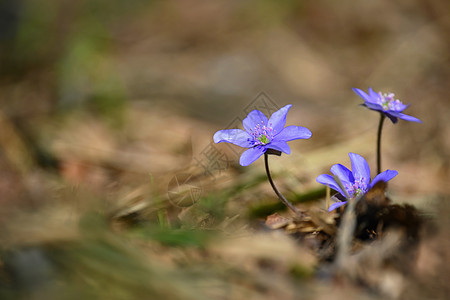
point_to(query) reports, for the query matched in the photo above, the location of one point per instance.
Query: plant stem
(380, 128)
(284, 200)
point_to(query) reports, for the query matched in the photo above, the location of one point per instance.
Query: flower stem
(284, 200)
(380, 128)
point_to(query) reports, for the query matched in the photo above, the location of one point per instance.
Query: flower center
(359, 187)
(388, 102)
(263, 139)
(262, 134)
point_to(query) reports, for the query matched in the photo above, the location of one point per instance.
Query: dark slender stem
(284, 200)
(380, 128)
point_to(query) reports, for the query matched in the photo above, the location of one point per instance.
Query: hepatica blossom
(356, 182)
(261, 134)
(386, 104)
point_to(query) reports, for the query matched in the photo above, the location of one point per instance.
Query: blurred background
(108, 108)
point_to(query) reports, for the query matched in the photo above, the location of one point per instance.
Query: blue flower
(261, 134)
(386, 104)
(355, 182)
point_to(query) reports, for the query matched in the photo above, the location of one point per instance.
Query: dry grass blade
(347, 228)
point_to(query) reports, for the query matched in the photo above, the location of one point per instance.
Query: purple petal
(336, 205)
(391, 117)
(344, 174)
(408, 118)
(373, 106)
(293, 133)
(362, 94)
(280, 146)
(278, 119)
(254, 118)
(383, 176)
(373, 96)
(401, 107)
(234, 136)
(251, 155)
(360, 168)
(329, 181)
